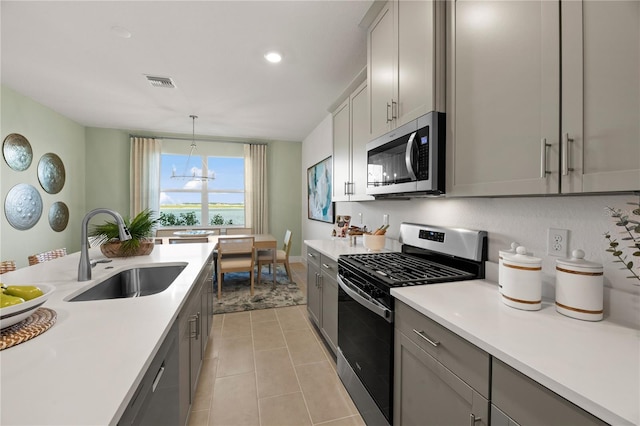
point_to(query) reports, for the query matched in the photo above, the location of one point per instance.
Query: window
(193, 202)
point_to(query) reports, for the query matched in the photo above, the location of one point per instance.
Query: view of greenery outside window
(185, 201)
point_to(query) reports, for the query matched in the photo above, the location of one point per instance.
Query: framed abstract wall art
(319, 178)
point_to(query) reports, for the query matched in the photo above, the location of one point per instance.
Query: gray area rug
(236, 294)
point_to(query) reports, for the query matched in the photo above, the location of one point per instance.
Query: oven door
(365, 339)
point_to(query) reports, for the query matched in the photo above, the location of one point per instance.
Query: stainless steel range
(429, 255)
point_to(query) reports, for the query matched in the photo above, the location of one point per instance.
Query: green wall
(46, 131)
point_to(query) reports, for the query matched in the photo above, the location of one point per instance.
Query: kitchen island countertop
(85, 369)
(595, 365)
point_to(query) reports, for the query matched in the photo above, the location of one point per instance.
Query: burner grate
(403, 269)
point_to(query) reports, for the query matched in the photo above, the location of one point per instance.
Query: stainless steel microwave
(410, 160)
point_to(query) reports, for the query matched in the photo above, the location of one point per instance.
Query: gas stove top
(398, 269)
(429, 255)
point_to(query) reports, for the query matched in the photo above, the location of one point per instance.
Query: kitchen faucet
(84, 267)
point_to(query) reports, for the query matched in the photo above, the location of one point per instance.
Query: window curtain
(256, 194)
(145, 175)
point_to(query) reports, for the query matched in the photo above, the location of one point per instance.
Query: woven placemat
(37, 323)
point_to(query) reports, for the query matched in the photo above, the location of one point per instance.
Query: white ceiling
(64, 55)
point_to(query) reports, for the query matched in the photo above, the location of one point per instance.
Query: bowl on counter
(373, 242)
(15, 313)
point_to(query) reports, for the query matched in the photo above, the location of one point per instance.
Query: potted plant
(141, 229)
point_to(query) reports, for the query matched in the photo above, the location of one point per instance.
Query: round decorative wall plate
(17, 152)
(51, 173)
(23, 206)
(58, 216)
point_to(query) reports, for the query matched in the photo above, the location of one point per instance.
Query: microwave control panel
(423, 154)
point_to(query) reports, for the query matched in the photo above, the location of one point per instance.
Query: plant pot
(114, 249)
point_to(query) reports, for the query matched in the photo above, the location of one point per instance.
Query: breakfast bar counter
(85, 369)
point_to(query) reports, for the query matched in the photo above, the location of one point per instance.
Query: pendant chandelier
(194, 174)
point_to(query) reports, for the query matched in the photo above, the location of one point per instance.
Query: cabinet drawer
(528, 402)
(313, 256)
(329, 267)
(466, 360)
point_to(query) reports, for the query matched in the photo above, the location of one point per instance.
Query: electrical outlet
(557, 242)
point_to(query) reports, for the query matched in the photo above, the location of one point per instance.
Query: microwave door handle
(408, 156)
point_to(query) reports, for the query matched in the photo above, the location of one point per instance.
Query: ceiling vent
(161, 81)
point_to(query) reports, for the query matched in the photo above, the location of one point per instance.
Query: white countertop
(337, 246)
(84, 369)
(595, 365)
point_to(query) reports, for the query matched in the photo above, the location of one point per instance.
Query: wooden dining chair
(7, 266)
(265, 257)
(238, 231)
(188, 240)
(46, 256)
(235, 254)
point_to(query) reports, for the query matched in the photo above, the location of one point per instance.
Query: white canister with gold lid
(501, 255)
(522, 280)
(579, 287)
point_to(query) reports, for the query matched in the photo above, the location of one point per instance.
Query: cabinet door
(330, 304)
(529, 403)
(359, 140)
(426, 392)
(313, 287)
(600, 96)
(380, 71)
(418, 56)
(503, 101)
(341, 153)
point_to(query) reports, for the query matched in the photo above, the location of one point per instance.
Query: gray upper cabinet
(405, 67)
(503, 104)
(515, 78)
(600, 96)
(350, 137)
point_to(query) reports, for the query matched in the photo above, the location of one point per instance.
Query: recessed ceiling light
(273, 57)
(121, 31)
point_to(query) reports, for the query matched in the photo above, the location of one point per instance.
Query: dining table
(260, 242)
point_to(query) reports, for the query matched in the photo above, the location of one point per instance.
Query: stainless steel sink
(134, 282)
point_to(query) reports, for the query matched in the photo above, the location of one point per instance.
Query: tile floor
(270, 367)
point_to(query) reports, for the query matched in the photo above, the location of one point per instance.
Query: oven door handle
(366, 300)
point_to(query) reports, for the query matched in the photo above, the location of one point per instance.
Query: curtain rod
(197, 140)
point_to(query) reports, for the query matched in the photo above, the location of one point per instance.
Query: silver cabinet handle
(325, 266)
(193, 331)
(388, 107)
(394, 103)
(543, 158)
(157, 379)
(473, 419)
(566, 165)
(424, 337)
(311, 255)
(198, 325)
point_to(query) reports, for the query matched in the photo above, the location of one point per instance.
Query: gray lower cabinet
(168, 388)
(322, 295)
(156, 399)
(193, 327)
(439, 378)
(521, 400)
